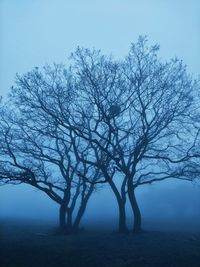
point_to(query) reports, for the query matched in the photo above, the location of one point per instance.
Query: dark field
(24, 244)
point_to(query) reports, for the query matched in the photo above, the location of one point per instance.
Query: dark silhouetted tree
(141, 117)
(36, 151)
(126, 123)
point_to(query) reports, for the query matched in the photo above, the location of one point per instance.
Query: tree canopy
(126, 123)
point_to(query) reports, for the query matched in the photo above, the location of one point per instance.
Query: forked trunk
(65, 220)
(122, 227)
(137, 223)
(76, 225)
(82, 208)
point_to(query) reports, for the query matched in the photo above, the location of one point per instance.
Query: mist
(37, 39)
(169, 205)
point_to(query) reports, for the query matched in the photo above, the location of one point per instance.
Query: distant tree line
(126, 123)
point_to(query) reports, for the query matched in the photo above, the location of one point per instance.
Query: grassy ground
(32, 245)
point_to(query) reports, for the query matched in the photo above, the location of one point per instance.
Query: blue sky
(35, 32)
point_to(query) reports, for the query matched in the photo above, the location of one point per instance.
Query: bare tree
(141, 116)
(126, 123)
(35, 151)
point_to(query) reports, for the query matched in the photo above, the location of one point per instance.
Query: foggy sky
(36, 32)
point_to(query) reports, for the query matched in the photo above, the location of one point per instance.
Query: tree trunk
(65, 219)
(82, 209)
(137, 224)
(122, 217)
(62, 217)
(76, 225)
(122, 227)
(69, 222)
